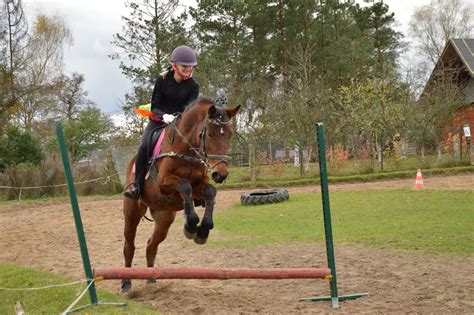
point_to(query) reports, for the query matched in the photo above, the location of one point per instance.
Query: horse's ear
(232, 112)
(212, 112)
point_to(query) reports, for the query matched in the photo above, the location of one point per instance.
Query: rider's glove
(167, 118)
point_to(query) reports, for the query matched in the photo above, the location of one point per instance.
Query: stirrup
(133, 192)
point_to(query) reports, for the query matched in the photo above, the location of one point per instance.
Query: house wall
(463, 116)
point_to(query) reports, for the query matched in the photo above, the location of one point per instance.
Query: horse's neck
(189, 127)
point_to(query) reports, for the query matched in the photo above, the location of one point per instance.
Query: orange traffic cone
(419, 179)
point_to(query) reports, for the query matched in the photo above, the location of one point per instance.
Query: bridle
(202, 141)
(202, 155)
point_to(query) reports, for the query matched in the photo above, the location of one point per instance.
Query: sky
(93, 23)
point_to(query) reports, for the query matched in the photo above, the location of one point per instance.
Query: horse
(196, 143)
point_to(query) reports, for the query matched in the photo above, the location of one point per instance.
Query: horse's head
(207, 130)
(215, 139)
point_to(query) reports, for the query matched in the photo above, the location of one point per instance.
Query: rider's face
(186, 70)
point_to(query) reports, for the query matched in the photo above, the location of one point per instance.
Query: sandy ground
(42, 235)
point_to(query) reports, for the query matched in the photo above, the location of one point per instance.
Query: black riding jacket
(170, 97)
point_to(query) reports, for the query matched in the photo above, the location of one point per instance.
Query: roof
(460, 49)
(465, 50)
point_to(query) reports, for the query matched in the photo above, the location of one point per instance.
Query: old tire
(264, 196)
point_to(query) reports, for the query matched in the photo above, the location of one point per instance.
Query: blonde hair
(164, 73)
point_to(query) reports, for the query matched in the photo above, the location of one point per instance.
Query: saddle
(155, 142)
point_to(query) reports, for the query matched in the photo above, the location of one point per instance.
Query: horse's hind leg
(133, 212)
(163, 221)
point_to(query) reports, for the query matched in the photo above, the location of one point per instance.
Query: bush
(18, 147)
(26, 181)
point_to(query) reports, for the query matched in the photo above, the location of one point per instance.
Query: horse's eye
(210, 134)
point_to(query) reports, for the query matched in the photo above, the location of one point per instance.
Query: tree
(7, 102)
(432, 25)
(299, 105)
(89, 132)
(13, 34)
(71, 95)
(14, 31)
(223, 33)
(237, 32)
(17, 147)
(335, 44)
(44, 66)
(436, 107)
(376, 22)
(363, 109)
(148, 36)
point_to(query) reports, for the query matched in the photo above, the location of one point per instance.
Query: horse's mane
(198, 102)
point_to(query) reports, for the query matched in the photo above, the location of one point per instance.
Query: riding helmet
(184, 55)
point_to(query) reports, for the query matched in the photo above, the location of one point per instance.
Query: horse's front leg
(191, 217)
(207, 224)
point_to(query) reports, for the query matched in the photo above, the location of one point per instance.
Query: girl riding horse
(196, 143)
(174, 89)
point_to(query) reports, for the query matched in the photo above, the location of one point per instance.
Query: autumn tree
(45, 65)
(436, 107)
(433, 24)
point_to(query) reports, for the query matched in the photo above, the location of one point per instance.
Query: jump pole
(79, 227)
(212, 273)
(76, 212)
(334, 297)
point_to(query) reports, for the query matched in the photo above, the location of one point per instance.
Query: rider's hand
(167, 118)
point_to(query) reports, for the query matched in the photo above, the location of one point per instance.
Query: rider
(174, 89)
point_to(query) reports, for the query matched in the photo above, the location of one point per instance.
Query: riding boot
(134, 189)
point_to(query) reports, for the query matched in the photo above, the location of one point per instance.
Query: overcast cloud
(93, 23)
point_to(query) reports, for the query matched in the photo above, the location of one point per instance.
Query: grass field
(55, 300)
(428, 220)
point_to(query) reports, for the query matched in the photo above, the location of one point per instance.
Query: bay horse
(194, 145)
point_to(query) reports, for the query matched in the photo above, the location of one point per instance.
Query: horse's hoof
(189, 235)
(202, 235)
(200, 241)
(151, 281)
(202, 232)
(126, 286)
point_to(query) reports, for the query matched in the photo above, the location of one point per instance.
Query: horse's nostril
(217, 177)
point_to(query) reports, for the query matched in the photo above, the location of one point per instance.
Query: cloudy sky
(93, 23)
